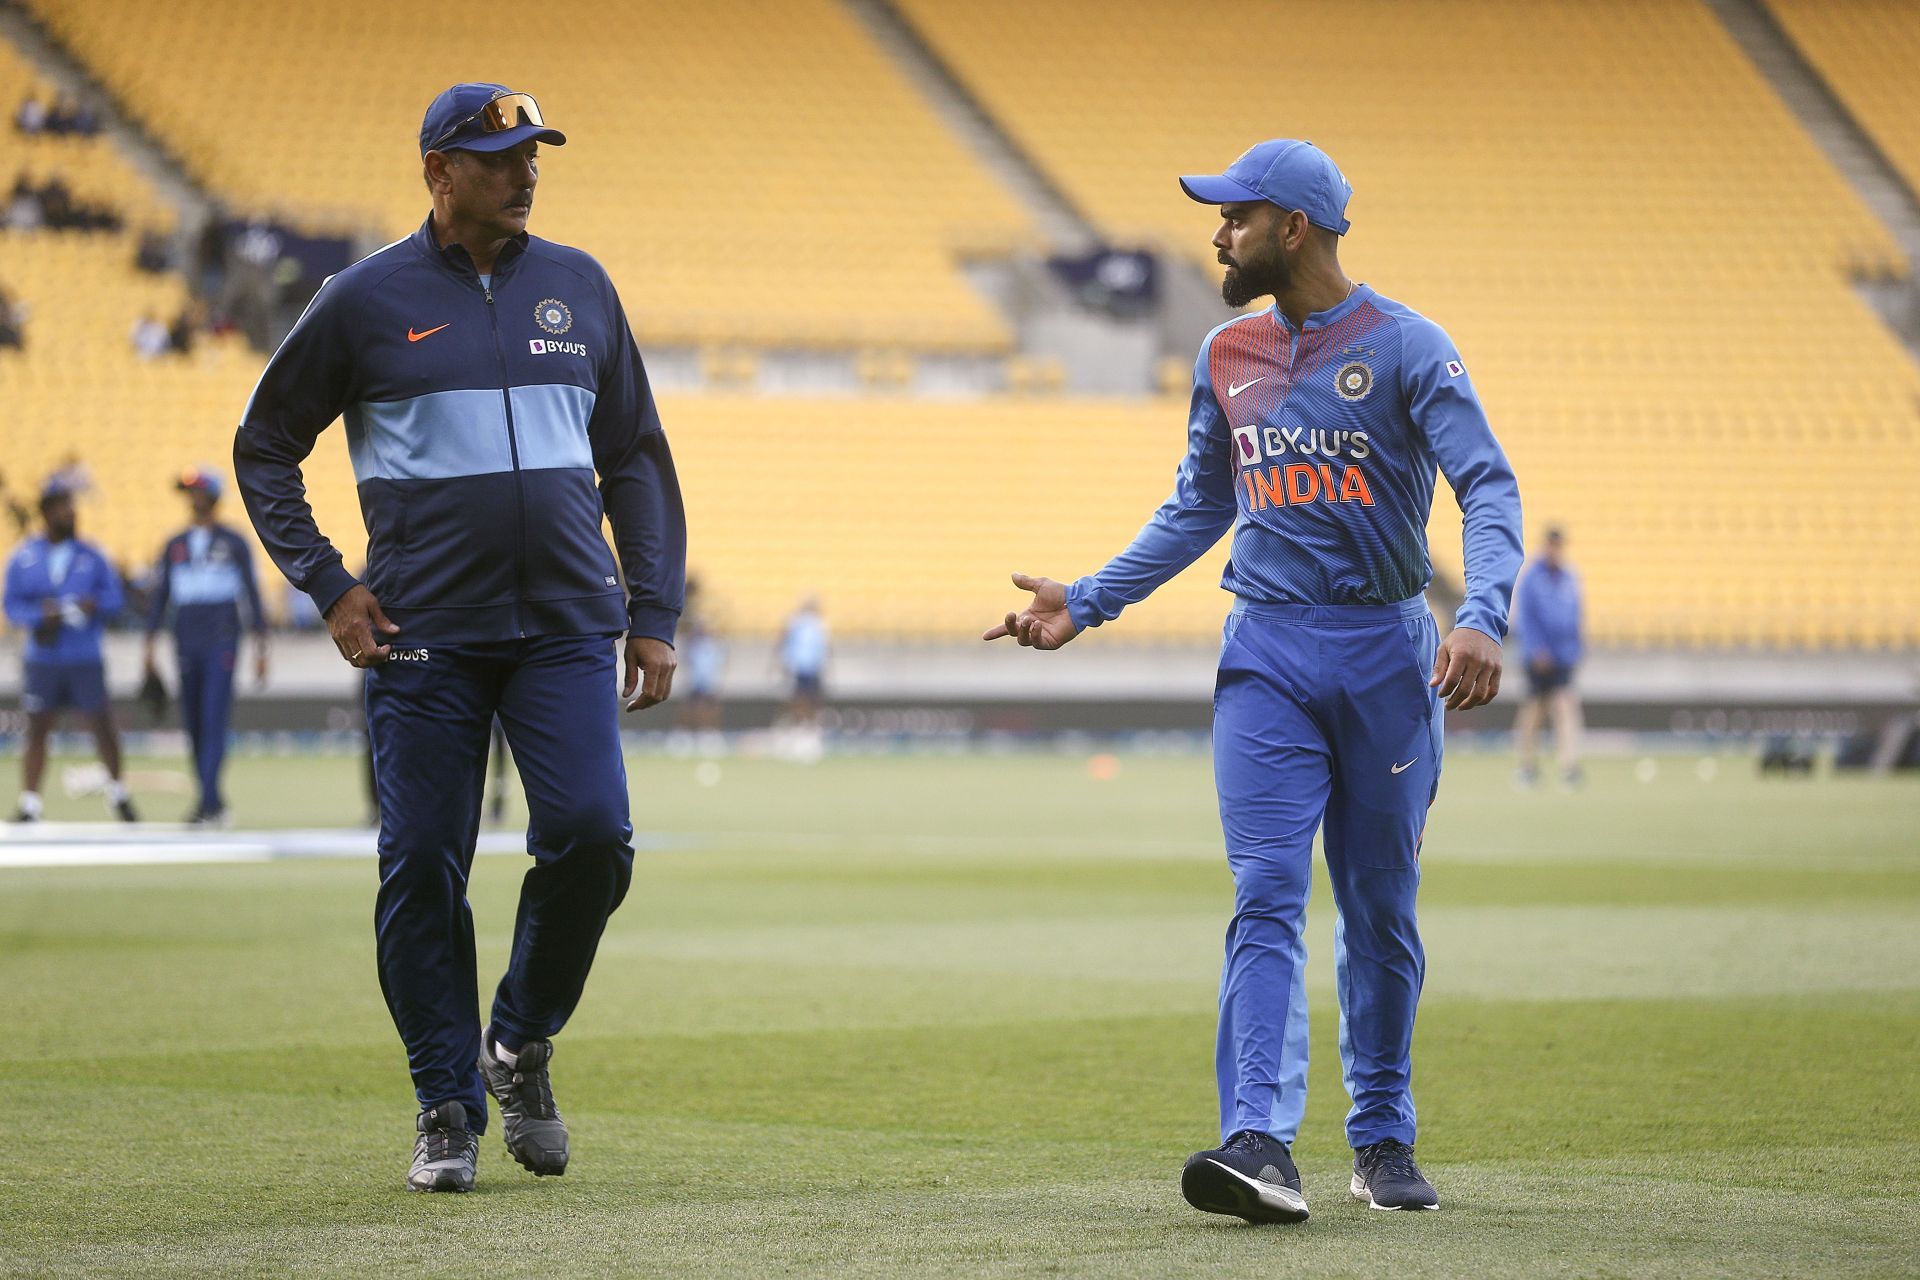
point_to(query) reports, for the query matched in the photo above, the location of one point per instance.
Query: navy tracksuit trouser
(206, 702)
(429, 717)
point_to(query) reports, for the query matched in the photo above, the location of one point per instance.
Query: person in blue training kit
(1314, 432)
(1547, 625)
(202, 576)
(61, 590)
(486, 376)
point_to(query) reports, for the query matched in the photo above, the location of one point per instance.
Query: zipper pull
(489, 294)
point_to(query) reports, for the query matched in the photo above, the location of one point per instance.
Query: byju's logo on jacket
(477, 416)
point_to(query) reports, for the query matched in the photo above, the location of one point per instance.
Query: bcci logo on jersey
(1354, 381)
(553, 315)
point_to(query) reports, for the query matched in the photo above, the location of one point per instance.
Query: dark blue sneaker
(1249, 1176)
(1385, 1176)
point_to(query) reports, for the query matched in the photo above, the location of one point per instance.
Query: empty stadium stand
(1643, 258)
(748, 170)
(1868, 52)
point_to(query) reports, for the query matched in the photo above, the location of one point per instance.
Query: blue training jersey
(1546, 610)
(66, 573)
(1318, 447)
(203, 575)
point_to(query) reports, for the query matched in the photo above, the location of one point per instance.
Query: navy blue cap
(460, 106)
(1286, 172)
(200, 480)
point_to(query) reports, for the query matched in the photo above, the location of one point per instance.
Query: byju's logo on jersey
(553, 315)
(1246, 444)
(548, 347)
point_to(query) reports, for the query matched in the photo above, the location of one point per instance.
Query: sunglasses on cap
(507, 111)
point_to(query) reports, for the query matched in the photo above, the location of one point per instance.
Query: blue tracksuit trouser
(1322, 715)
(429, 718)
(206, 705)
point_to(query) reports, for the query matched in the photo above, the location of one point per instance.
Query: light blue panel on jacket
(432, 437)
(550, 422)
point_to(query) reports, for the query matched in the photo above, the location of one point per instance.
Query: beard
(1243, 283)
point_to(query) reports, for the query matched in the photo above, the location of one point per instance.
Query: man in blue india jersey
(1315, 429)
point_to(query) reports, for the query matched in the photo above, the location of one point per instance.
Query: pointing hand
(1043, 624)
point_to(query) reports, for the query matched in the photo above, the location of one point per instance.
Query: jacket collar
(456, 259)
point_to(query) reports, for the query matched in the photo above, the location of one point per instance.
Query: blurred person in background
(61, 591)
(704, 658)
(204, 576)
(806, 642)
(1547, 617)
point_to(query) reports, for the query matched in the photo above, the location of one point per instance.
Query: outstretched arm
(1193, 517)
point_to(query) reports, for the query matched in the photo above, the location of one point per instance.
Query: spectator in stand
(13, 322)
(70, 117)
(1547, 620)
(23, 211)
(150, 337)
(180, 333)
(155, 255)
(31, 118)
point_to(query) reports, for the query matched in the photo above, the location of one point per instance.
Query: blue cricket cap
(484, 117)
(200, 480)
(1286, 172)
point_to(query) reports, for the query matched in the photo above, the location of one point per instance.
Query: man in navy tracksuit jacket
(485, 377)
(204, 574)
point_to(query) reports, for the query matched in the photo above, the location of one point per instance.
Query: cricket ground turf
(931, 1015)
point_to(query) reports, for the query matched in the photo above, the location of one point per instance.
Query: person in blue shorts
(61, 590)
(204, 575)
(1315, 430)
(1547, 612)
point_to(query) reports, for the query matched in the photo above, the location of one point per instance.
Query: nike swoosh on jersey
(1234, 391)
(415, 337)
(1401, 768)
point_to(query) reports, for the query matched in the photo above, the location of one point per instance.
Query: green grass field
(954, 1016)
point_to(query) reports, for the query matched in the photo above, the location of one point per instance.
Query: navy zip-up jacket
(476, 419)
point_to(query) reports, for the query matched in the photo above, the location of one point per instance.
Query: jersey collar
(455, 258)
(1332, 315)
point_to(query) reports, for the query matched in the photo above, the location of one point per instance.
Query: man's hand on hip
(1043, 624)
(650, 665)
(1466, 670)
(356, 624)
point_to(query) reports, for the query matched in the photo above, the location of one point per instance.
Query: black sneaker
(22, 818)
(1385, 1176)
(536, 1135)
(445, 1152)
(126, 811)
(1249, 1176)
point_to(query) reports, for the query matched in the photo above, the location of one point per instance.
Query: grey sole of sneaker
(1212, 1187)
(541, 1167)
(1361, 1192)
